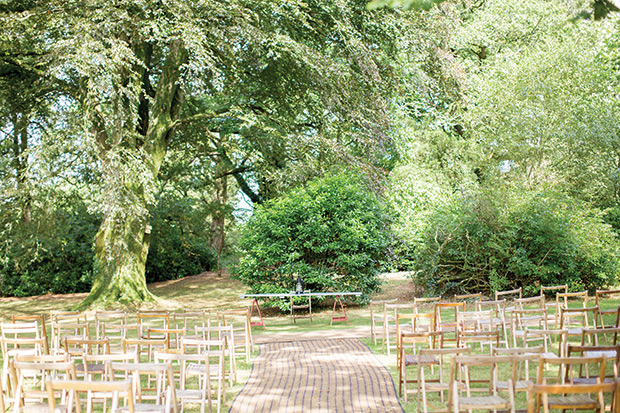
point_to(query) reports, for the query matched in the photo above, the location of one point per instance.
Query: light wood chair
(144, 347)
(242, 342)
(610, 313)
(39, 318)
(490, 338)
(510, 296)
(498, 322)
(522, 319)
(188, 319)
(411, 323)
(486, 368)
(409, 347)
(110, 318)
(575, 320)
(72, 389)
(30, 393)
(152, 319)
(445, 318)
(19, 339)
(162, 397)
(390, 311)
(224, 333)
(376, 318)
(433, 380)
(546, 338)
(208, 366)
(425, 304)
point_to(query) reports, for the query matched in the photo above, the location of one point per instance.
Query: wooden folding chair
(444, 311)
(481, 367)
(39, 318)
(411, 323)
(510, 296)
(610, 353)
(72, 389)
(110, 318)
(409, 355)
(520, 320)
(188, 319)
(301, 303)
(241, 343)
(546, 338)
(424, 304)
(162, 397)
(490, 338)
(498, 322)
(575, 320)
(377, 317)
(30, 393)
(152, 319)
(19, 339)
(208, 367)
(605, 311)
(224, 333)
(431, 382)
(390, 311)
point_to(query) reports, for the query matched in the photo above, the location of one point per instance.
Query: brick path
(325, 375)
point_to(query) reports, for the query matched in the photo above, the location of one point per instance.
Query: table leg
(343, 317)
(256, 323)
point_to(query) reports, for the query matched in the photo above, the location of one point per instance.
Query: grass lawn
(208, 290)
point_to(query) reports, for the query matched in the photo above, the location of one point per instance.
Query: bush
(332, 233)
(501, 241)
(52, 256)
(179, 241)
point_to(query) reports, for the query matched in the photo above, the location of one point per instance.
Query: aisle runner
(338, 375)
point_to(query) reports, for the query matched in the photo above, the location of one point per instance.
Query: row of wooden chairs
(202, 360)
(491, 314)
(586, 365)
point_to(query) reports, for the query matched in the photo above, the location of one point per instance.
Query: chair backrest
(422, 303)
(566, 367)
(509, 294)
(72, 388)
(154, 319)
(557, 288)
(90, 361)
(15, 336)
(474, 320)
(467, 298)
(480, 337)
(189, 319)
(530, 302)
(171, 335)
(110, 318)
(600, 336)
(562, 299)
(415, 341)
(39, 318)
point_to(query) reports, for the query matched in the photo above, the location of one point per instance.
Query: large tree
(245, 81)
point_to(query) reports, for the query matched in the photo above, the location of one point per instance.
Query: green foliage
(332, 233)
(179, 242)
(53, 255)
(505, 239)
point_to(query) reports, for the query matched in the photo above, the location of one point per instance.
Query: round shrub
(332, 234)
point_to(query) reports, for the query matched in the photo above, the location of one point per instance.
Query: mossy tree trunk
(131, 167)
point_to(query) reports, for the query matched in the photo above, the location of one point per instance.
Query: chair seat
(412, 360)
(483, 402)
(580, 401)
(610, 354)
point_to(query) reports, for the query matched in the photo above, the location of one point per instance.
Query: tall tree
(271, 72)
